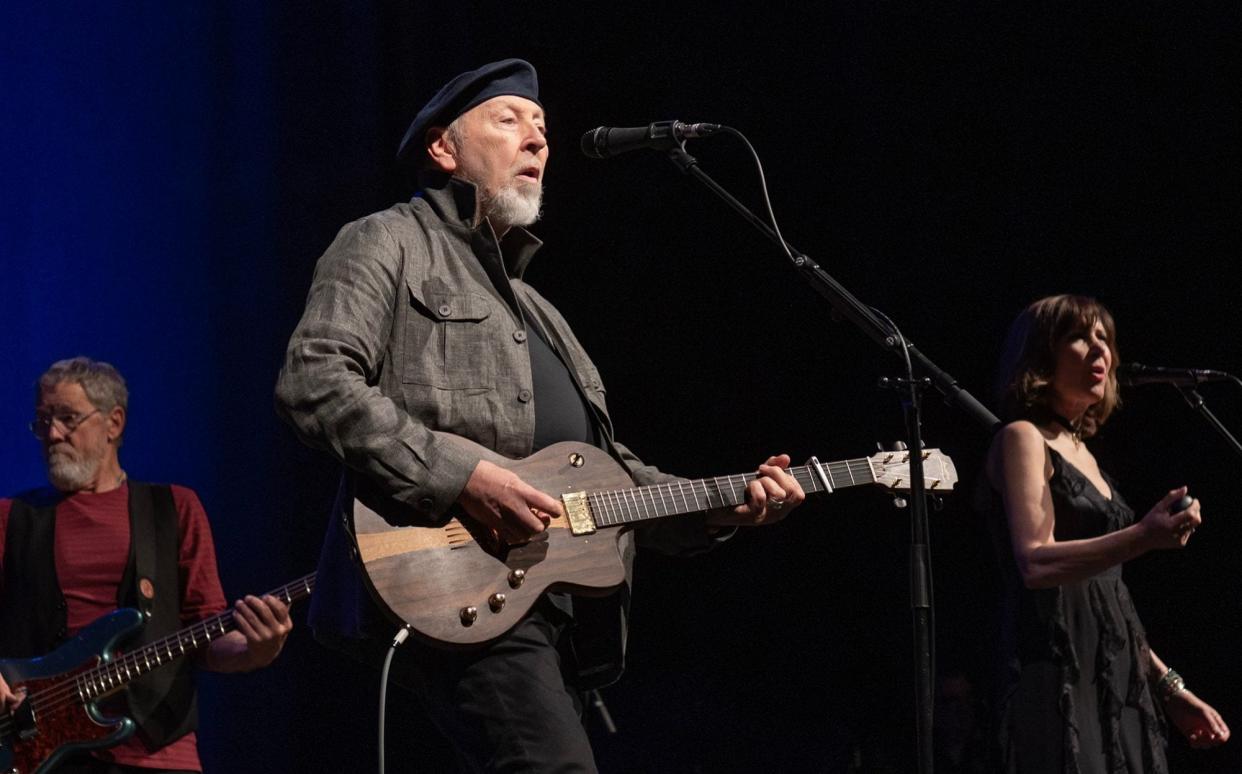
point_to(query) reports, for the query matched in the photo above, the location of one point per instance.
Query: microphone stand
(891, 340)
(1197, 403)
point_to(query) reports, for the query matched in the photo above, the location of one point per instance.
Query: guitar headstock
(892, 470)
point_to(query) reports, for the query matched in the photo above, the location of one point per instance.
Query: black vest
(33, 609)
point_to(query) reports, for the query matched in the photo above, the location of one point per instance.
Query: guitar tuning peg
(898, 446)
(899, 502)
(937, 503)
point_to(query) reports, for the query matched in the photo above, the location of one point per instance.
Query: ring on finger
(775, 503)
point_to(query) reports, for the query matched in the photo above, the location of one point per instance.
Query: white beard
(514, 205)
(70, 474)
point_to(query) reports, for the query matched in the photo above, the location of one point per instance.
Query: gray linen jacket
(407, 339)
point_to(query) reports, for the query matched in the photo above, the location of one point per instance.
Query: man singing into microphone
(418, 329)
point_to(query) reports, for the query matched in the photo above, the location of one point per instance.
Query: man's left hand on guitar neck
(769, 498)
(263, 625)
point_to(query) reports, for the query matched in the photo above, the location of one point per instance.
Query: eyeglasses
(66, 423)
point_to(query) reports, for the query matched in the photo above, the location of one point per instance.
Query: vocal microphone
(1137, 374)
(606, 141)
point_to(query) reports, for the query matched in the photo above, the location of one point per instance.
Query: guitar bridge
(578, 511)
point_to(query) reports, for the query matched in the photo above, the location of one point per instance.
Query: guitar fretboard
(626, 506)
(108, 677)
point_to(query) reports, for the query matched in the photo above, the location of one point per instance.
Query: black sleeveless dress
(1072, 694)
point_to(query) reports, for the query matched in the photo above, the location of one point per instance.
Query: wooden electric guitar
(456, 585)
(60, 715)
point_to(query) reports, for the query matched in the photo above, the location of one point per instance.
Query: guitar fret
(648, 497)
(733, 491)
(597, 509)
(648, 503)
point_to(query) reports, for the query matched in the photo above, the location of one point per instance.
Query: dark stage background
(171, 172)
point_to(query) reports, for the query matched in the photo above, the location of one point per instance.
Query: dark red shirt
(92, 546)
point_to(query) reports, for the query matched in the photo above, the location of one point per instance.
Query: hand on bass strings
(501, 501)
(9, 700)
(264, 622)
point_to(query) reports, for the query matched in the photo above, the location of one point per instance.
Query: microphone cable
(763, 188)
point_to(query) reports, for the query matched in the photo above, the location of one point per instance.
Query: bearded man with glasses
(96, 541)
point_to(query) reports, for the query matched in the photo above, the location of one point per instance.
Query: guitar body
(429, 577)
(63, 727)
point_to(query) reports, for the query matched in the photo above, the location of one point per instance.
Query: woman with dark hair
(1080, 688)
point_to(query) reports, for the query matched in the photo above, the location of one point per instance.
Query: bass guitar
(456, 585)
(60, 714)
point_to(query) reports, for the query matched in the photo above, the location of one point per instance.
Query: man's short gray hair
(103, 384)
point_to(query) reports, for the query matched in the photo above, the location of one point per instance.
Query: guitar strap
(142, 547)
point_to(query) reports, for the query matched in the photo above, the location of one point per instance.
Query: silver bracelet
(1170, 685)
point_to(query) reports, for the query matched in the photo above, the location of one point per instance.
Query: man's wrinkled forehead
(518, 105)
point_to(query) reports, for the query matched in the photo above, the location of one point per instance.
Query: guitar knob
(516, 577)
(496, 602)
(469, 615)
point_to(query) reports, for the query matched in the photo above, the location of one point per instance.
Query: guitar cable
(401, 636)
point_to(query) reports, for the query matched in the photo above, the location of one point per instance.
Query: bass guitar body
(33, 745)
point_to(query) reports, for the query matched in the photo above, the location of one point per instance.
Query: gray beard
(70, 475)
(513, 207)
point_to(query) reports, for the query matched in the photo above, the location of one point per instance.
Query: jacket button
(524, 396)
(445, 310)
(519, 336)
(426, 503)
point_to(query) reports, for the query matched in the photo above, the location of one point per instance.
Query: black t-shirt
(561, 413)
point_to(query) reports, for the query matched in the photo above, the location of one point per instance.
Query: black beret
(514, 77)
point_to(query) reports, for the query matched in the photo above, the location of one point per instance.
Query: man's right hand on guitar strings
(503, 502)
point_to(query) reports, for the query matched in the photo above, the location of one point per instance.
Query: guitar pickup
(578, 511)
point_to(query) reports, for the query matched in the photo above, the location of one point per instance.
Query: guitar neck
(627, 506)
(107, 678)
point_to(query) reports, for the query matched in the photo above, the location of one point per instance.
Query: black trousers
(510, 707)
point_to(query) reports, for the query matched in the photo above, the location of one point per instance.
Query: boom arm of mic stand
(1196, 402)
(843, 301)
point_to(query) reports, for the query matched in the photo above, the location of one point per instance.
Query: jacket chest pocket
(449, 341)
